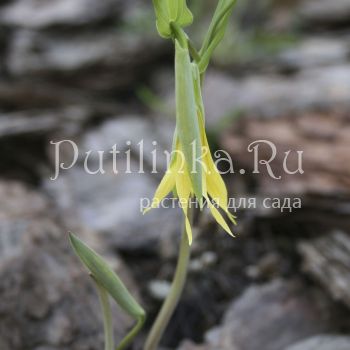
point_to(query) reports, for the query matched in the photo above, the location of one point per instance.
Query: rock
(157, 232)
(37, 97)
(45, 13)
(47, 299)
(188, 345)
(39, 122)
(271, 317)
(104, 202)
(113, 202)
(313, 52)
(323, 12)
(323, 342)
(147, 136)
(26, 134)
(269, 266)
(88, 60)
(322, 137)
(159, 289)
(33, 52)
(327, 259)
(269, 97)
(204, 261)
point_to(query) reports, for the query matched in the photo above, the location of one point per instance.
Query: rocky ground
(98, 74)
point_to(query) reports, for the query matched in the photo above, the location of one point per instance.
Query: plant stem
(179, 34)
(194, 53)
(173, 297)
(107, 316)
(131, 335)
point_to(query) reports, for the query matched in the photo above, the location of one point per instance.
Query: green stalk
(179, 34)
(173, 297)
(107, 322)
(194, 53)
(107, 316)
(131, 335)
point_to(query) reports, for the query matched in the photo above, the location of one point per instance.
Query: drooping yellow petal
(183, 181)
(209, 166)
(215, 186)
(217, 190)
(164, 188)
(218, 217)
(166, 185)
(231, 217)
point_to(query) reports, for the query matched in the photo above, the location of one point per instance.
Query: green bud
(171, 11)
(106, 278)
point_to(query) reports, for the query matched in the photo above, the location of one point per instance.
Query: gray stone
(159, 289)
(99, 59)
(267, 267)
(316, 51)
(327, 259)
(44, 13)
(321, 135)
(47, 299)
(323, 342)
(102, 201)
(188, 345)
(111, 202)
(49, 121)
(267, 96)
(271, 317)
(38, 97)
(324, 11)
(142, 135)
(31, 51)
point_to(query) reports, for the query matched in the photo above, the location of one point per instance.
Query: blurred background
(97, 73)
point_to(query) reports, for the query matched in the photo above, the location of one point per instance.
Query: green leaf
(171, 11)
(105, 277)
(186, 117)
(216, 31)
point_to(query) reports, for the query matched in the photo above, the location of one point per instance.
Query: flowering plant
(191, 174)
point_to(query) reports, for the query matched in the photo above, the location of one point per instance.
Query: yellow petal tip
(145, 211)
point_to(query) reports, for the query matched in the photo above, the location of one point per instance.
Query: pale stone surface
(323, 342)
(47, 298)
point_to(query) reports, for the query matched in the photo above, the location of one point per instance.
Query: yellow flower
(178, 178)
(188, 175)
